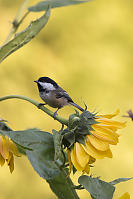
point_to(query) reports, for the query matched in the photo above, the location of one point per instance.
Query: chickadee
(54, 95)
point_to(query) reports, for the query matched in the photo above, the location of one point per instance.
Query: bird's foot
(54, 115)
(40, 105)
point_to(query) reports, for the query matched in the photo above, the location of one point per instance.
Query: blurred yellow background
(88, 50)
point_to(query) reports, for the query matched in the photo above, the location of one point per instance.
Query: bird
(53, 95)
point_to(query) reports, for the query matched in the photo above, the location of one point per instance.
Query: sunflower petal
(116, 124)
(125, 196)
(94, 152)
(81, 156)
(105, 134)
(87, 169)
(74, 160)
(98, 144)
(13, 148)
(11, 163)
(5, 150)
(2, 160)
(109, 116)
(69, 161)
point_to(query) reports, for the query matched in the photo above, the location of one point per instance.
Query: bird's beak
(36, 81)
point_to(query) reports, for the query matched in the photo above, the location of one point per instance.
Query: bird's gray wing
(61, 93)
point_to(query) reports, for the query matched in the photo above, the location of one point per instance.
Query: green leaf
(114, 182)
(27, 138)
(43, 5)
(42, 159)
(24, 37)
(96, 187)
(39, 148)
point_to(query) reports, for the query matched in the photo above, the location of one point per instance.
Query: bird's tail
(77, 106)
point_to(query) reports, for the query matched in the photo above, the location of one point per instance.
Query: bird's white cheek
(47, 86)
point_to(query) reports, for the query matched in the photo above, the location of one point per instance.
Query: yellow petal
(105, 134)
(125, 196)
(91, 160)
(81, 156)
(116, 124)
(74, 160)
(2, 160)
(13, 148)
(109, 116)
(69, 161)
(94, 152)
(98, 144)
(1, 148)
(87, 169)
(5, 150)
(11, 163)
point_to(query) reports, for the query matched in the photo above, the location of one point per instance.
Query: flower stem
(62, 186)
(43, 108)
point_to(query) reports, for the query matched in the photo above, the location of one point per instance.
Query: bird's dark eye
(46, 91)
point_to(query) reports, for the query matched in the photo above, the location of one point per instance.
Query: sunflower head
(79, 126)
(88, 137)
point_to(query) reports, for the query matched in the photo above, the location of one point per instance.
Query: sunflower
(7, 150)
(95, 143)
(125, 196)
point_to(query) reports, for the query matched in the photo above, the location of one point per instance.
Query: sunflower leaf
(96, 187)
(24, 37)
(39, 147)
(114, 182)
(43, 5)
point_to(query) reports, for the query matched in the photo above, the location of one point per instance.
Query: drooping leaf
(39, 148)
(114, 182)
(96, 187)
(42, 160)
(24, 37)
(43, 5)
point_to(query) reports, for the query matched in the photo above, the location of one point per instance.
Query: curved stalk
(43, 108)
(63, 186)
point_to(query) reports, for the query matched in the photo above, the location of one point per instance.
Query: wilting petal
(5, 150)
(98, 144)
(109, 116)
(11, 163)
(94, 152)
(2, 161)
(81, 156)
(87, 169)
(74, 160)
(105, 134)
(69, 160)
(125, 196)
(13, 148)
(116, 124)
(91, 160)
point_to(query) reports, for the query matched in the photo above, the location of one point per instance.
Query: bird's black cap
(47, 80)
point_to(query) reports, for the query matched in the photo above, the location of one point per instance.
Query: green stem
(16, 22)
(43, 108)
(63, 186)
